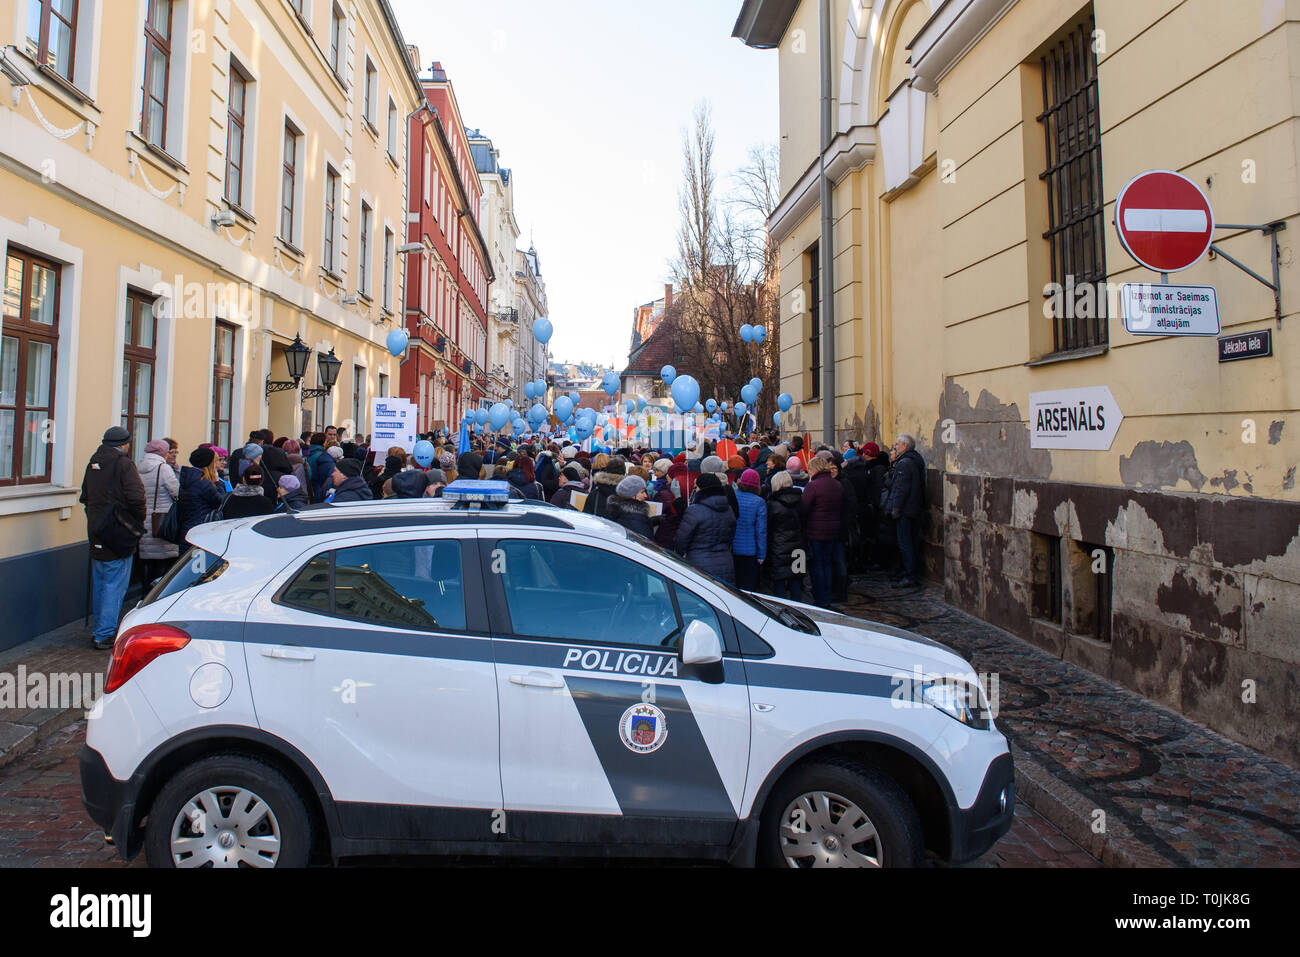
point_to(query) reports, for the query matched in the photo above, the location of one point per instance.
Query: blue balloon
(757, 383)
(541, 388)
(469, 417)
(398, 341)
(543, 330)
(537, 415)
(423, 454)
(747, 332)
(575, 398)
(610, 383)
(668, 374)
(686, 392)
(776, 419)
(760, 334)
(726, 406)
(640, 404)
(749, 394)
(785, 401)
(711, 406)
(629, 406)
(563, 407)
(530, 389)
(498, 416)
(481, 418)
(478, 429)
(519, 428)
(741, 408)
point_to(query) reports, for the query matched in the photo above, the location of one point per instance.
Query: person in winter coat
(749, 546)
(393, 465)
(707, 530)
(785, 537)
(275, 466)
(627, 507)
(822, 511)
(161, 489)
(319, 466)
(522, 478)
(349, 486)
(668, 491)
(293, 497)
(548, 475)
(712, 465)
(850, 536)
(247, 500)
(115, 513)
(570, 481)
(905, 506)
(298, 464)
(603, 484)
(201, 493)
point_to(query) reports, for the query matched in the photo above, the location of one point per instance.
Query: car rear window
(198, 567)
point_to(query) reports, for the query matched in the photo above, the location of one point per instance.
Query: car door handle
(288, 654)
(537, 680)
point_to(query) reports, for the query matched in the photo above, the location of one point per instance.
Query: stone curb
(19, 737)
(1072, 813)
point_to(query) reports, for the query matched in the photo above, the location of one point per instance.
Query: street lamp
(295, 357)
(327, 368)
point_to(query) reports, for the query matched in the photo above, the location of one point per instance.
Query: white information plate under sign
(1156, 309)
(1085, 419)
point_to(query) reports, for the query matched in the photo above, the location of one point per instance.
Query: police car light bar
(468, 493)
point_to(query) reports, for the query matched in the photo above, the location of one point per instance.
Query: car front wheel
(229, 810)
(840, 814)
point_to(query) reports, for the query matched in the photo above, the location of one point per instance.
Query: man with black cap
(115, 514)
(349, 486)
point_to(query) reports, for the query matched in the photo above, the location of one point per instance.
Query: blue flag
(464, 438)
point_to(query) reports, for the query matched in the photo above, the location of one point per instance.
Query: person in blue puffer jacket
(749, 547)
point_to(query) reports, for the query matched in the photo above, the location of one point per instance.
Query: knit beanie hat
(251, 451)
(663, 465)
(349, 467)
(713, 464)
(202, 458)
(335, 452)
(159, 447)
(572, 473)
(631, 487)
(750, 477)
(290, 483)
(736, 462)
(708, 480)
(782, 480)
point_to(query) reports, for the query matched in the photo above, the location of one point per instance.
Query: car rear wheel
(840, 814)
(230, 810)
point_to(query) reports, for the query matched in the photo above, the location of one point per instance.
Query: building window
(139, 352)
(383, 386)
(363, 264)
(331, 216)
(1076, 234)
(289, 184)
(813, 258)
(236, 111)
(29, 336)
(358, 398)
(1093, 570)
(223, 383)
(371, 93)
(157, 67)
(392, 129)
(388, 269)
(1045, 561)
(337, 39)
(52, 34)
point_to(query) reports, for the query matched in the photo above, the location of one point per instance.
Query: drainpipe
(827, 251)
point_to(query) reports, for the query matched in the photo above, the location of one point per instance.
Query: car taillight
(136, 648)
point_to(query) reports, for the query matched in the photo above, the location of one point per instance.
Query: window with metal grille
(1046, 572)
(1076, 233)
(815, 313)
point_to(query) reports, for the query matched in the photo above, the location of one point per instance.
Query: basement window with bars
(1093, 596)
(1046, 571)
(1076, 234)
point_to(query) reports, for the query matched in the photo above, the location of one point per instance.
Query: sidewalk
(1173, 792)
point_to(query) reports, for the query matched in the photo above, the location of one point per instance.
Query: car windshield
(790, 617)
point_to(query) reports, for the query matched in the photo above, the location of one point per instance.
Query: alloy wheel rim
(825, 829)
(225, 827)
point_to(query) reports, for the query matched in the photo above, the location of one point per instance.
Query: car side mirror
(701, 645)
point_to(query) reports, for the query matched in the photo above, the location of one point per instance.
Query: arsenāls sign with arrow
(1084, 419)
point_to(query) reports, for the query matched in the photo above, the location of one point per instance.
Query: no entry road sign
(1164, 220)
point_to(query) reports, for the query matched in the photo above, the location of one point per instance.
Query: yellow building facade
(978, 149)
(186, 188)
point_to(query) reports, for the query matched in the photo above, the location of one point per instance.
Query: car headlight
(958, 699)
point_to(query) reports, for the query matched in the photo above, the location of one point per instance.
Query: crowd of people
(774, 516)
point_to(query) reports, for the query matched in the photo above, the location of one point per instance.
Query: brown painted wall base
(1204, 590)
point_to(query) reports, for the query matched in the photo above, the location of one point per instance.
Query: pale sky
(586, 100)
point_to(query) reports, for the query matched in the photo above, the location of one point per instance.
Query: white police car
(470, 676)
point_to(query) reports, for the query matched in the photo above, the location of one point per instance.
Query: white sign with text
(1085, 419)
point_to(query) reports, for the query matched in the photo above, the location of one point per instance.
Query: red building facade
(447, 284)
